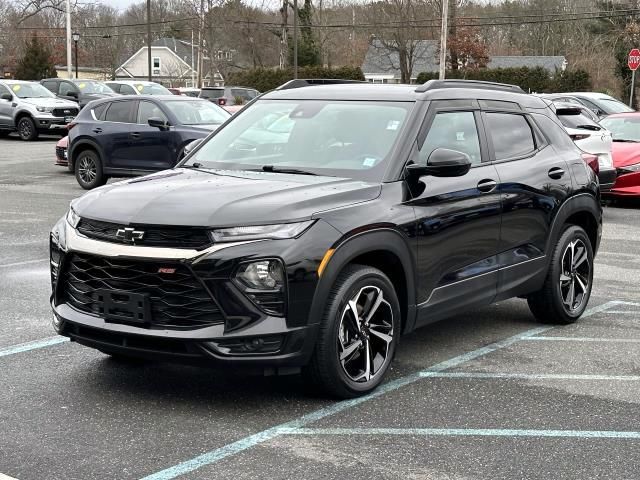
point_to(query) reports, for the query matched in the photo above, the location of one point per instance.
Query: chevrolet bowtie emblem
(129, 235)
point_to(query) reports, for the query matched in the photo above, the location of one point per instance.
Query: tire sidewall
(570, 234)
(360, 278)
(98, 180)
(32, 126)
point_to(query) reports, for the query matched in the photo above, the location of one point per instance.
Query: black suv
(321, 223)
(136, 134)
(81, 91)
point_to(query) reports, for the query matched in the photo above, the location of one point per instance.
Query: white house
(173, 63)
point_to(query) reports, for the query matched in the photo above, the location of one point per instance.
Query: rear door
(534, 180)
(6, 109)
(151, 148)
(115, 133)
(458, 218)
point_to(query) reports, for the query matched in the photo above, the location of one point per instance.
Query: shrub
(265, 79)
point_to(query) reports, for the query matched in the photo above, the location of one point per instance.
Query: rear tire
(564, 296)
(358, 334)
(88, 169)
(27, 129)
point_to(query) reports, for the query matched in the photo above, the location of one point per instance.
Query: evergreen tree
(308, 50)
(36, 63)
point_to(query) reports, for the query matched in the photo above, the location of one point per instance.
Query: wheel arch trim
(580, 203)
(81, 143)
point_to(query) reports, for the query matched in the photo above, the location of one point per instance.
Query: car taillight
(579, 136)
(71, 125)
(222, 101)
(592, 161)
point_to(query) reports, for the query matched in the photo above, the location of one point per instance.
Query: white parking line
(583, 339)
(25, 347)
(6, 477)
(26, 262)
(530, 376)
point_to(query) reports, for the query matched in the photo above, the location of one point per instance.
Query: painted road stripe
(530, 376)
(483, 432)
(243, 444)
(6, 477)
(18, 264)
(583, 339)
(624, 312)
(621, 302)
(25, 347)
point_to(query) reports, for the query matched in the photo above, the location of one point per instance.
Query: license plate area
(68, 119)
(124, 307)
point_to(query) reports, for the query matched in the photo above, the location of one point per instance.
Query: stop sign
(634, 59)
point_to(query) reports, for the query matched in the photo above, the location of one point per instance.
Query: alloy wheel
(25, 129)
(365, 334)
(87, 169)
(575, 276)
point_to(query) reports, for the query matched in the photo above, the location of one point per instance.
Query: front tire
(564, 296)
(27, 129)
(88, 168)
(358, 334)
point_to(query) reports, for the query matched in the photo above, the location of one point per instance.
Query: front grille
(61, 153)
(154, 236)
(64, 112)
(176, 298)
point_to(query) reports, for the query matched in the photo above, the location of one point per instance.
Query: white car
(600, 103)
(137, 87)
(590, 137)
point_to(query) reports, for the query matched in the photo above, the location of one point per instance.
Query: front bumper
(626, 185)
(607, 178)
(52, 123)
(264, 343)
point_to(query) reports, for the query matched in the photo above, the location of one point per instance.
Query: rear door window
(510, 134)
(119, 112)
(51, 85)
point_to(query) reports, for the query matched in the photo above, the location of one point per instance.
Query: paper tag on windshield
(393, 124)
(368, 162)
(460, 136)
(16, 88)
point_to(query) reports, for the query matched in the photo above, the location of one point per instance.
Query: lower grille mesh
(177, 299)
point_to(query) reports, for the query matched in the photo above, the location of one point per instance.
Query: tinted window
(114, 86)
(100, 110)
(4, 90)
(119, 112)
(50, 85)
(455, 131)
(578, 121)
(239, 92)
(623, 128)
(91, 86)
(147, 110)
(212, 93)
(614, 106)
(511, 135)
(197, 112)
(127, 90)
(66, 88)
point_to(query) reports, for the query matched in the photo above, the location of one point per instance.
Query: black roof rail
(306, 82)
(454, 83)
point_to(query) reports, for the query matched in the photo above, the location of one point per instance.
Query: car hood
(50, 102)
(624, 154)
(207, 128)
(97, 96)
(220, 198)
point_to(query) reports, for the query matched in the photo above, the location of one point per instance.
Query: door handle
(556, 173)
(486, 186)
(135, 135)
(97, 130)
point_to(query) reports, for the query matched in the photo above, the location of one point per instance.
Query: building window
(156, 62)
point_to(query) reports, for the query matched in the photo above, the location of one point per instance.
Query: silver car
(31, 109)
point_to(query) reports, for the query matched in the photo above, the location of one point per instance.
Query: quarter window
(100, 110)
(510, 134)
(119, 112)
(454, 131)
(127, 90)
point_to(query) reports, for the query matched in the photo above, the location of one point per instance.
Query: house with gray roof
(382, 65)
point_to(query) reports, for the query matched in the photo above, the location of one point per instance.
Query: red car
(625, 128)
(61, 152)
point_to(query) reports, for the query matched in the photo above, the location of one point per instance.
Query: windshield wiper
(295, 171)
(625, 140)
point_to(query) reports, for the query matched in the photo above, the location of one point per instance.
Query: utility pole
(295, 38)
(69, 74)
(284, 34)
(149, 37)
(200, 55)
(443, 39)
(193, 79)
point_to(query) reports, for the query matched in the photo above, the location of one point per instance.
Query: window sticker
(140, 87)
(393, 124)
(369, 162)
(16, 88)
(460, 136)
(82, 85)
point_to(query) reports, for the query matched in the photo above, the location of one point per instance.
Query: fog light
(263, 275)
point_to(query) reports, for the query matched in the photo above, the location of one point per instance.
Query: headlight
(44, 109)
(629, 169)
(73, 218)
(260, 232)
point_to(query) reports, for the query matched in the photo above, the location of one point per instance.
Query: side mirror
(73, 94)
(191, 146)
(6, 96)
(159, 123)
(442, 163)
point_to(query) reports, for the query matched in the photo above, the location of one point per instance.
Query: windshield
(211, 92)
(611, 105)
(197, 112)
(336, 138)
(151, 89)
(89, 86)
(623, 128)
(31, 90)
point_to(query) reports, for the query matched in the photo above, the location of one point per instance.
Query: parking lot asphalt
(489, 394)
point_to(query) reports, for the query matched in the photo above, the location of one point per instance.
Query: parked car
(590, 137)
(77, 90)
(228, 95)
(625, 128)
(600, 103)
(61, 152)
(31, 109)
(137, 87)
(384, 209)
(189, 91)
(133, 135)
